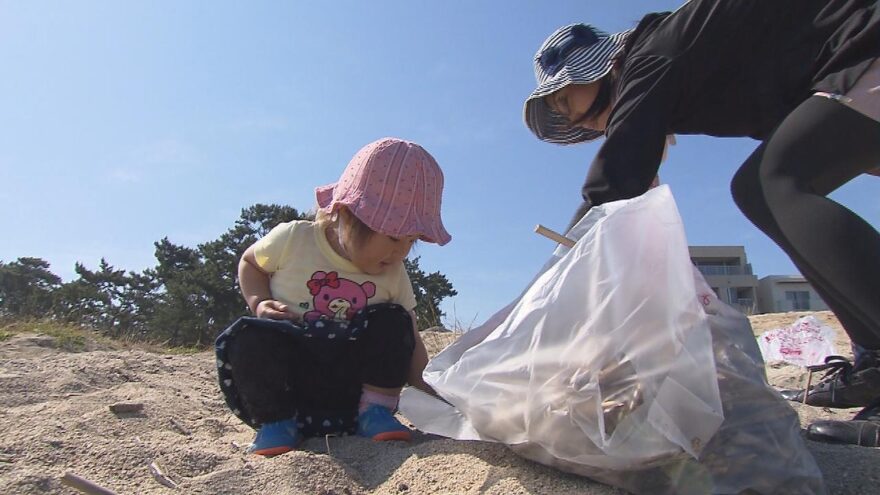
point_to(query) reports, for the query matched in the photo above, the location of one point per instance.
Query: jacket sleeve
(627, 162)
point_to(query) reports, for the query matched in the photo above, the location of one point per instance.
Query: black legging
(782, 189)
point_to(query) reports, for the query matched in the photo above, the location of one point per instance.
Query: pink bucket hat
(394, 187)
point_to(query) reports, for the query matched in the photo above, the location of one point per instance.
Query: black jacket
(724, 68)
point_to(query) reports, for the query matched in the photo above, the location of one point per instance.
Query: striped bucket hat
(394, 187)
(573, 54)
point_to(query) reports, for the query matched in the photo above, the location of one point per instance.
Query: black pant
(271, 370)
(782, 189)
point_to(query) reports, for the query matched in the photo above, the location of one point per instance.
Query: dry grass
(65, 336)
(79, 338)
(436, 341)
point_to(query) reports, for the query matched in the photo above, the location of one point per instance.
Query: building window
(799, 299)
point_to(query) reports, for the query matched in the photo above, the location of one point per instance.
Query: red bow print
(328, 280)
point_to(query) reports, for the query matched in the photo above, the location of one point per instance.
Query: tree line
(187, 299)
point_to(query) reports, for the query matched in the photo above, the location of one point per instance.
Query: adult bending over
(802, 77)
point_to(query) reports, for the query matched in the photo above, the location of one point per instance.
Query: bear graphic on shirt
(337, 298)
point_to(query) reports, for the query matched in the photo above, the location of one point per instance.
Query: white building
(783, 293)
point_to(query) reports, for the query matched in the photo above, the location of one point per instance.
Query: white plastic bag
(605, 366)
(803, 343)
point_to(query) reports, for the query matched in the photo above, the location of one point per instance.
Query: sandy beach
(56, 418)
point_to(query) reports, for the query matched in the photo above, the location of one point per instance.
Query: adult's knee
(747, 191)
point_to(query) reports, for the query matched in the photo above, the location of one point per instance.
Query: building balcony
(715, 270)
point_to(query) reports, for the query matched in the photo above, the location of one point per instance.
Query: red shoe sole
(393, 435)
(272, 451)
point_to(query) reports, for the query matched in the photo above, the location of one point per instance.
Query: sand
(55, 418)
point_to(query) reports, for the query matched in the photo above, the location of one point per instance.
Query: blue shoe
(276, 438)
(379, 423)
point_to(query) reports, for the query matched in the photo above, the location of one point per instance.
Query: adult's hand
(276, 310)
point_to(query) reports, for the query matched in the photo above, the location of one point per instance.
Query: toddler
(334, 336)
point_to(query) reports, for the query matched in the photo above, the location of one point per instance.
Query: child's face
(380, 252)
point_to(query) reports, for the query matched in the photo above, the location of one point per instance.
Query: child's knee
(384, 325)
(385, 346)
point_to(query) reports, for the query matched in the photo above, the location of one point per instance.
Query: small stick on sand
(809, 382)
(161, 477)
(84, 485)
(554, 236)
(179, 426)
(327, 442)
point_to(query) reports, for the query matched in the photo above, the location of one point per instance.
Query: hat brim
(324, 197)
(552, 127)
(439, 237)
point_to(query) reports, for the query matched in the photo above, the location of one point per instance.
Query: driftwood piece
(126, 407)
(84, 485)
(180, 427)
(160, 476)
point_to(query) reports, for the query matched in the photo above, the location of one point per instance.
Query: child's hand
(275, 310)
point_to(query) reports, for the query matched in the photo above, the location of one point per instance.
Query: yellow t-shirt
(310, 277)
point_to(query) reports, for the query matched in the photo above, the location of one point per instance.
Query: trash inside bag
(619, 363)
(806, 342)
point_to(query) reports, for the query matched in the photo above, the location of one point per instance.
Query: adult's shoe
(844, 384)
(862, 430)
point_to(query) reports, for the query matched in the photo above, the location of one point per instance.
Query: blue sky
(125, 122)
